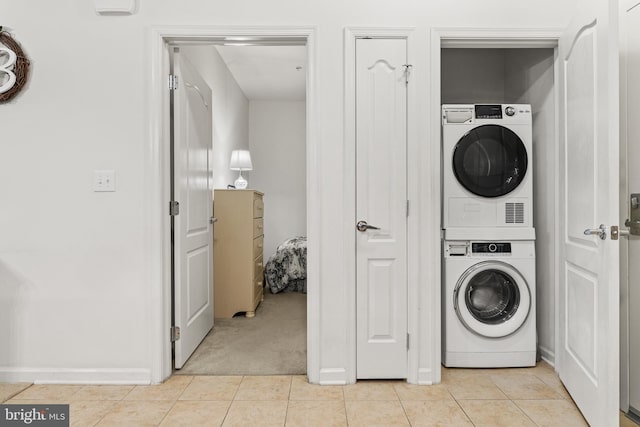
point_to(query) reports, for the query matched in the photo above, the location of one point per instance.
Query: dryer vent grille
(514, 213)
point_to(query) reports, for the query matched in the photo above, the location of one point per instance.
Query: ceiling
(268, 73)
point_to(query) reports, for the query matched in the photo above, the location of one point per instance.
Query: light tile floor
(466, 397)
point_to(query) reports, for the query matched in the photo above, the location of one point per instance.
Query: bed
(286, 270)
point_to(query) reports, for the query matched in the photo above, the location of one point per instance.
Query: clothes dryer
(487, 166)
(488, 304)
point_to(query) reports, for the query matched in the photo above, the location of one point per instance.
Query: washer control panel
(479, 249)
(491, 248)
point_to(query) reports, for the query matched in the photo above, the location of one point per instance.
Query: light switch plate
(104, 180)
(115, 7)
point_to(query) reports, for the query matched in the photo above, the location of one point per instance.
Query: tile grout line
(405, 413)
(404, 410)
(167, 413)
(286, 412)
(523, 411)
(11, 396)
(233, 399)
(461, 408)
(464, 411)
(106, 413)
(344, 404)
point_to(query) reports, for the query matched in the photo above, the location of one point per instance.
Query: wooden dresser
(238, 243)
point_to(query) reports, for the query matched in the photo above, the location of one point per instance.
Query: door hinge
(407, 341)
(174, 208)
(173, 82)
(407, 208)
(407, 72)
(175, 333)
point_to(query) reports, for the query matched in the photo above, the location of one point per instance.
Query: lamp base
(240, 183)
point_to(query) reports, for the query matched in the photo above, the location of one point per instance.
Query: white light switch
(104, 180)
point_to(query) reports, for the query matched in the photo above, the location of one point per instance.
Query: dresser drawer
(258, 247)
(258, 227)
(258, 269)
(258, 283)
(258, 207)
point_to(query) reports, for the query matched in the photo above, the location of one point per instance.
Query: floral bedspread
(286, 270)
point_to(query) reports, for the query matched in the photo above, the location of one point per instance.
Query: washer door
(492, 299)
(490, 161)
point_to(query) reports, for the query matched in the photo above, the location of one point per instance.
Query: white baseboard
(548, 356)
(333, 376)
(425, 376)
(75, 376)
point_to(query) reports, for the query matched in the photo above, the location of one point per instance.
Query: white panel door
(193, 233)
(588, 353)
(381, 200)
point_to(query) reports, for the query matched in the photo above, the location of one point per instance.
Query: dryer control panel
(464, 114)
(489, 111)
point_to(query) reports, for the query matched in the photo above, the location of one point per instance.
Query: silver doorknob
(601, 232)
(212, 220)
(363, 226)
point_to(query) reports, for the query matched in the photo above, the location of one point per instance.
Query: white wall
(473, 76)
(530, 79)
(230, 111)
(277, 135)
(520, 76)
(74, 275)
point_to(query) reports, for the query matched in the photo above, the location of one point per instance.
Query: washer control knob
(510, 111)
(492, 247)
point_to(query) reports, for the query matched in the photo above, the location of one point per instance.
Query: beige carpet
(274, 342)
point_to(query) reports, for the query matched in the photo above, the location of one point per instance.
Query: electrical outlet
(104, 180)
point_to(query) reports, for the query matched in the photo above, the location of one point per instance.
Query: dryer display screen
(488, 111)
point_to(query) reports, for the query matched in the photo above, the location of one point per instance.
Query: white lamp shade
(240, 160)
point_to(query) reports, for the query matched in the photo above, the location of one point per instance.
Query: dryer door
(490, 161)
(492, 299)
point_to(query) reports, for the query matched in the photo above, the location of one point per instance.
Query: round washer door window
(490, 161)
(492, 299)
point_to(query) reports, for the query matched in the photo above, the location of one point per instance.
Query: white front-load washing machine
(488, 304)
(487, 166)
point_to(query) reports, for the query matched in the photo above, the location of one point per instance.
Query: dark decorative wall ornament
(14, 67)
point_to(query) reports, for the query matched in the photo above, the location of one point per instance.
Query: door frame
(625, 329)
(485, 38)
(157, 233)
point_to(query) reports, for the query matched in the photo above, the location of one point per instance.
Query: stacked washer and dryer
(488, 280)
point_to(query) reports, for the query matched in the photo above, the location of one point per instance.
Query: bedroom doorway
(259, 264)
(275, 131)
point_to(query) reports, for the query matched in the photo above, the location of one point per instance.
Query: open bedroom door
(192, 216)
(587, 357)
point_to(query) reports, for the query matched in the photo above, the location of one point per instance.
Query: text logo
(34, 415)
